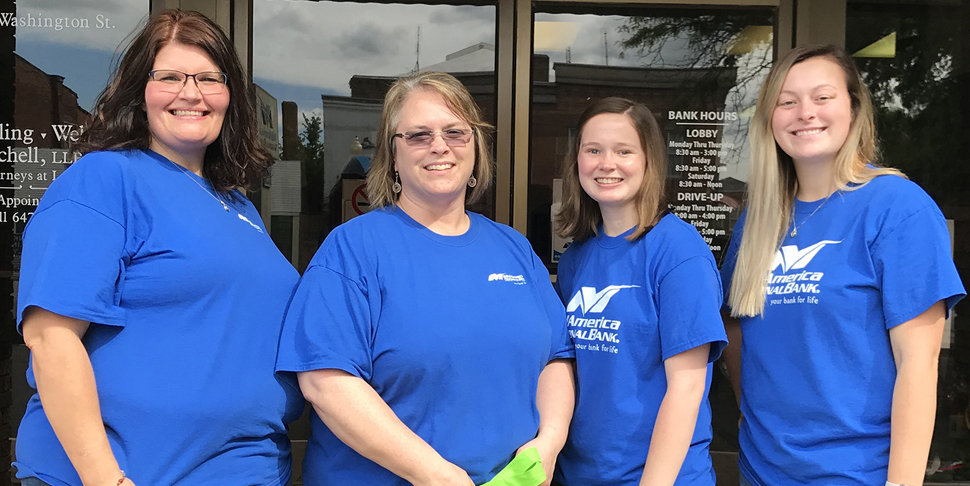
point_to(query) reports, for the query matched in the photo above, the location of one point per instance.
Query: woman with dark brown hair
(151, 297)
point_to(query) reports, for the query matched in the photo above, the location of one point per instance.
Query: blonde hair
(773, 184)
(380, 177)
(579, 216)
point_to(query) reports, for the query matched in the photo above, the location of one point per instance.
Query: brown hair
(235, 158)
(773, 183)
(380, 177)
(580, 215)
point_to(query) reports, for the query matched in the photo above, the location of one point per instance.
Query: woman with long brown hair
(642, 295)
(151, 297)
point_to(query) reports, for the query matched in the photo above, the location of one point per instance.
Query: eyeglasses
(453, 137)
(172, 81)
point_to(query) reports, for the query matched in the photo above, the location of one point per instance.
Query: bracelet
(889, 483)
(123, 478)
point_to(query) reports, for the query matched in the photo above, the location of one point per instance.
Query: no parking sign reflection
(359, 201)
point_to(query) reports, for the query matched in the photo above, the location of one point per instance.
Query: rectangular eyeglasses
(172, 81)
(453, 137)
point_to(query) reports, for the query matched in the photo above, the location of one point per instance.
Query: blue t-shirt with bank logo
(186, 304)
(817, 371)
(631, 305)
(451, 331)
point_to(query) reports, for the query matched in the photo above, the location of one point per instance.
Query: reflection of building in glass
(267, 119)
(286, 180)
(352, 120)
(42, 100)
(47, 119)
(346, 118)
(557, 105)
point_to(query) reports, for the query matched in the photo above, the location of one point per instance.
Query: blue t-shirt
(186, 303)
(817, 370)
(451, 331)
(630, 306)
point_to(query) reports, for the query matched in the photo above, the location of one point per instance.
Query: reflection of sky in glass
(598, 40)
(304, 49)
(81, 49)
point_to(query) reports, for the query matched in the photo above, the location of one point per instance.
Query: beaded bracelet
(123, 478)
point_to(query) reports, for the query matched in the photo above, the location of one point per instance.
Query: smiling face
(434, 176)
(183, 124)
(611, 164)
(812, 117)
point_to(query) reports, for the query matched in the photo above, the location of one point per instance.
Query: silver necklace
(186, 174)
(794, 229)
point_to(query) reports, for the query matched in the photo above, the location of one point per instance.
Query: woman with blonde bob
(642, 293)
(840, 278)
(428, 338)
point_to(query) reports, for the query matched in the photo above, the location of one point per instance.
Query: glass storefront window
(914, 58)
(325, 67)
(322, 68)
(698, 70)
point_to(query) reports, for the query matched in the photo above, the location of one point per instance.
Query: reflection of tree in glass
(918, 99)
(721, 45)
(922, 109)
(311, 157)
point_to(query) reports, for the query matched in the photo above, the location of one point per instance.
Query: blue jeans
(32, 482)
(37, 482)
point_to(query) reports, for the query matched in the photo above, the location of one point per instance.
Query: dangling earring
(472, 181)
(396, 188)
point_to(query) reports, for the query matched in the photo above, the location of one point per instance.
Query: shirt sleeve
(914, 264)
(74, 253)
(561, 346)
(328, 326)
(689, 300)
(730, 260)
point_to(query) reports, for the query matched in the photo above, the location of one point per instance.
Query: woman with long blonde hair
(839, 280)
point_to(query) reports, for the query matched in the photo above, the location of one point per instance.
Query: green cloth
(524, 470)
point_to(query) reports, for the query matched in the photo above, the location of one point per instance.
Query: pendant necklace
(186, 174)
(794, 229)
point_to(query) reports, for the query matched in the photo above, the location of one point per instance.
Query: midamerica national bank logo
(504, 277)
(599, 330)
(588, 299)
(805, 282)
